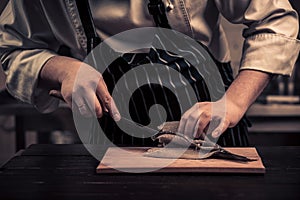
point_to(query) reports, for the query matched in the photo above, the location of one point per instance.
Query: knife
(218, 150)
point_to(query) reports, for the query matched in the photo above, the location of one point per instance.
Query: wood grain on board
(131, 159)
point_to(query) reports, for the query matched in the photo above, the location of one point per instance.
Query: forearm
(244, 90)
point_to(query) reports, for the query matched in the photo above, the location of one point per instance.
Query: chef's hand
(218, 116)
(228, 111)
(80, 86)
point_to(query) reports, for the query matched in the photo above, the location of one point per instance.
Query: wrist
(246, 88)
(233, 109)
(56, 70)
(236, 103)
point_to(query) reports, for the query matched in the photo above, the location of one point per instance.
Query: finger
(84, 102)
(89, 106)
(203, 123)
(98, 108)
(115, 112)
(221, 128)
(107, 102)
(191, 124)
(184, 119)
(84, 110)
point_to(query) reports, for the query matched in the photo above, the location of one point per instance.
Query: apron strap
(158, 11)
(88, 24)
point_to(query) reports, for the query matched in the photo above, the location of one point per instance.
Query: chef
(43, 44)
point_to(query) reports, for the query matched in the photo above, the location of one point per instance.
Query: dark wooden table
(68, 172)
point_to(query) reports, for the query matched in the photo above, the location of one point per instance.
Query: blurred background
(275, 116)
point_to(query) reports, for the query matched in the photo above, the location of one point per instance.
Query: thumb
(221, 128)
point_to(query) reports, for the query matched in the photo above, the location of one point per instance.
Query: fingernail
(216, 134)
(117, 117)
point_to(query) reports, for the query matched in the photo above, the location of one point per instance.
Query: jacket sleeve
(270, 37)
(26, 44)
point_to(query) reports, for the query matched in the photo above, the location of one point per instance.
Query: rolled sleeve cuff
(270, 53)
(22, 79)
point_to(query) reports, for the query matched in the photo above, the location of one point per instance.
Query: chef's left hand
(229, 110)
(214, 117)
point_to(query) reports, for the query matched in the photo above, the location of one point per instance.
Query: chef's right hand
(79, 85)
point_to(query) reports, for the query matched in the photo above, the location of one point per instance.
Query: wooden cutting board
(131, 159)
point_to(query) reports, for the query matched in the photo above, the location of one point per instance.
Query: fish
(176, 145)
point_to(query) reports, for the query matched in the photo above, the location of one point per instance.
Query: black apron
(149, 94)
